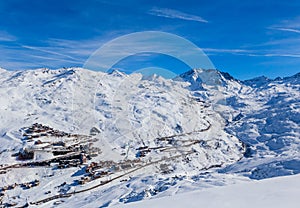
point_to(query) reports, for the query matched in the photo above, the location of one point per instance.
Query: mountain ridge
(159, 136)
(226, 75)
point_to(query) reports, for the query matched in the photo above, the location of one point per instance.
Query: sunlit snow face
(129, 100)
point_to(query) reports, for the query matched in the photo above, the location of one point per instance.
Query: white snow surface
(275, 192)
(202, 130)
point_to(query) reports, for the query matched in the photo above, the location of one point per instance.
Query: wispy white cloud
(175, 14)
(285, 29)
(290, 25)
(48, 50)
(6, 37)
(52, 53)
(55, 59)
(281, 55)
(283, 46)
(75, 47)
(223, 50)
(286, 42)
(258, 53)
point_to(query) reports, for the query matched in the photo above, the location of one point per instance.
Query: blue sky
(245, 38)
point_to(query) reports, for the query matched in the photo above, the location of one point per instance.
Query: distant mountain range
(75, 137)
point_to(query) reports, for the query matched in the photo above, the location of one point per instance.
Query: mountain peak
(211, 77)
(257, 81)
(116, 73)
(2, 70)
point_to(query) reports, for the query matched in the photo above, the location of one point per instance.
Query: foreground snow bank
(274, 192)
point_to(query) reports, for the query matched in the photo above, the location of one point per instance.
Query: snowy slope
(268, 122)
(263, 113)
(275, 192)
(147, 129)
(77, 137)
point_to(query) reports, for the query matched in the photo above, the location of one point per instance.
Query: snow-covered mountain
(78, 137)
